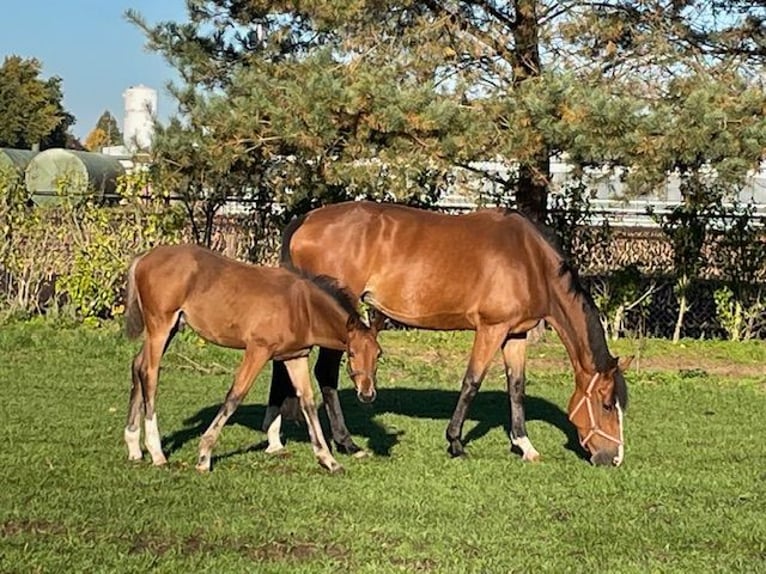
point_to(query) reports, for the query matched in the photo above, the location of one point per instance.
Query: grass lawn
(690, 497)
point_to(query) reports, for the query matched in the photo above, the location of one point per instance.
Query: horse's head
(596, 409)
(363, 352)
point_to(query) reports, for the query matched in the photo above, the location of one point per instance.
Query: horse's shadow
(489, 409)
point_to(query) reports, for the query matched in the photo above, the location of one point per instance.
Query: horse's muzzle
(607, 457)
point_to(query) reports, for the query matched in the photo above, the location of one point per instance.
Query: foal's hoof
(531, 457)
(361, 453)
(203, 464)
(278, 449)
(336, 469)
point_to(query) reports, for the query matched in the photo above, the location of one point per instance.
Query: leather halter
(594, 430)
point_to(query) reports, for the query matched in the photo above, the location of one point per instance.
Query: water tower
(140, 112)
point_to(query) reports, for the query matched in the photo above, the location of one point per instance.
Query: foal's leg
(151, 354)
(485, 344)
(299, 374)
(135, 408)
(327, 370)
(254, 360)
(515, 356)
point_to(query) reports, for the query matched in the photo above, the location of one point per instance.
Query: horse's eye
(608, 407)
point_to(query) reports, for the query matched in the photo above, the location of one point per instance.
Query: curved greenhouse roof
(71, 172)
(16, 159)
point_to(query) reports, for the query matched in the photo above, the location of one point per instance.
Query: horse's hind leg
(327, 370)
(254, 360)
(515, 356)
(135, 408)
(299, 374)
(485, 345)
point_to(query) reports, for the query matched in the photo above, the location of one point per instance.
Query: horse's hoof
(456, 450)
(337, 469)
(361, 453)
(348, 448)
(135, 457)
(160, 461)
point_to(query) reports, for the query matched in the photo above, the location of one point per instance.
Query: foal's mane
(331, 287)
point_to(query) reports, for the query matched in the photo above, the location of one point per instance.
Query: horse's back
(421, 267)
(226, 301)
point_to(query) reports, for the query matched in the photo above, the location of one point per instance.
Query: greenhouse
(78, 173)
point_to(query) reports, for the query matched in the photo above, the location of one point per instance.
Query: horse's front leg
(485, 344)
(299, 375)
(327, 370)
(515, 356)
(254, 360)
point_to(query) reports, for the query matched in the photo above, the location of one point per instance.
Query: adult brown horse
(491, 271)
(271, 313)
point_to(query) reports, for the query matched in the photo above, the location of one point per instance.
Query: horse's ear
(624, 363)
(377, 320)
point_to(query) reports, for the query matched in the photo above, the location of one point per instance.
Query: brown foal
(270, 313)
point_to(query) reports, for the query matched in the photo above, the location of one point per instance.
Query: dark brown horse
(271, 313)
(493, 272)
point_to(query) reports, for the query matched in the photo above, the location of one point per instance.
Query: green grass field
(690, 497)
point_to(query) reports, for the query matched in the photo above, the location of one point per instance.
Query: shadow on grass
(489, 409)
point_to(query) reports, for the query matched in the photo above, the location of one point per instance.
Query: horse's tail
(134, 315)
(285, 258)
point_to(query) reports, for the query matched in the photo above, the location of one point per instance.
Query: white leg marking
(132, 439)
(272, 425)
(529, 452)
(152, 440)
(621, 448)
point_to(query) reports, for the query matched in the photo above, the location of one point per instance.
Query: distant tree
(106, 133)
(96, 140)
(31, 112)
(107, 124)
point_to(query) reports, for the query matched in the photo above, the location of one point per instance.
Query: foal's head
(363, 352)
(596, 409)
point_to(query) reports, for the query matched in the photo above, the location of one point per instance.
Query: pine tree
(386, 99)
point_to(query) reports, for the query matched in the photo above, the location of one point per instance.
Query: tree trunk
(532, 190)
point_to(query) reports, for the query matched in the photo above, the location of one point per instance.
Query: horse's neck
(570, 320)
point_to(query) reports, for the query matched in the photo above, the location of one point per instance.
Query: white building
(140, 114)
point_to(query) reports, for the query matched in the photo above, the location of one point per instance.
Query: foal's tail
(134, 316)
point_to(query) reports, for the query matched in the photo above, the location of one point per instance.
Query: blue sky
(92, 48)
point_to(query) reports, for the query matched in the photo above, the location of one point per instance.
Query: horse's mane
(595, 330)
(331, 287)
